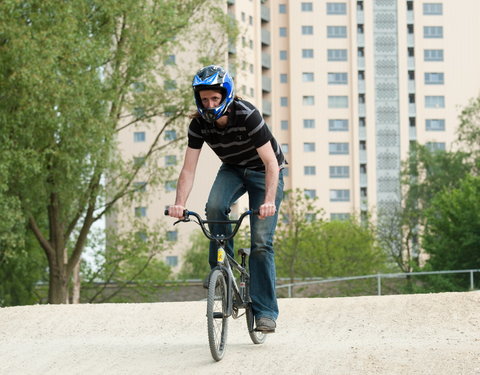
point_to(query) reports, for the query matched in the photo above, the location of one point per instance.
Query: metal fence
(379, 278)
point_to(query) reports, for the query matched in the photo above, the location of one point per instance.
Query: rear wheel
(217, 314)
(257, 337)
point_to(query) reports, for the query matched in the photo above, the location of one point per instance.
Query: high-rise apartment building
(346, 86)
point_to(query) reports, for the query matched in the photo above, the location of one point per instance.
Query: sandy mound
(408, 334)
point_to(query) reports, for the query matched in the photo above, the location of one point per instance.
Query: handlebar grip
(165, 212)
(255, 212)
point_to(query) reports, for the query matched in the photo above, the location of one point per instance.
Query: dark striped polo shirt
(237, 143)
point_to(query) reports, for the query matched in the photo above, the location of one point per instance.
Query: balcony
(267, 108)
(266, 60)
(362, 156)
(265, 14)
(361, 86)
(266, 37)
(411, 63)
(412, 110)
(361, 63)
(266, 84)
(363, 179)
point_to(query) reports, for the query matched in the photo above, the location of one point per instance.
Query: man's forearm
(271, 182)
(184, 187)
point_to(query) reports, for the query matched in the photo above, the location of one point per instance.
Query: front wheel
(217, 314)
(257, 337)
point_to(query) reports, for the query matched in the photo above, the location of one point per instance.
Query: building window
(172, 235)
(434, 101)
(307, 53)
(283, 55)
(140, 187)
(170, 60)
(338, 125)
(431, 32)
(435, 146)
(307, 30)
(307, 7)
(309, 170)
(338, 102)
(339, 172)
(172, 261)
(140, 211)
(310, 193)
(283, 78)
(337, 55)
(282, 31)
(139, 137)
(170, 135)
(337, 78)
(309, 123)
(170, 185)
(435, 124)
(434, 78)
(284, 124)
(432, 9)
(138, 112)
(282, 8)
(308, 100)
(336, 8)
(309, 218)
(308, 77)
(138, 161)
(339, 216)
(283, 101)
(336, 31)
(141, 236)
(433, 55)
(339, 195)
(284, 147)
(170, 85)
(309, 147)
(170, 160)
(338, 148)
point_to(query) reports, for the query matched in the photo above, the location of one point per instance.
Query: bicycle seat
(244, 251)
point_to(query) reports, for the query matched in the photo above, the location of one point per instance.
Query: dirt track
(414, 334)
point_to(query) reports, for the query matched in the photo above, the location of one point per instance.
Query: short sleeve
(195, 139)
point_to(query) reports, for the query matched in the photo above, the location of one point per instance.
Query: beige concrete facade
(346, 86)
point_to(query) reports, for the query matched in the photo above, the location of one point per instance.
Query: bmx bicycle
(226, 297)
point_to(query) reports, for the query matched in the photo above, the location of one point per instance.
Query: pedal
(217, 315)
(264, 331)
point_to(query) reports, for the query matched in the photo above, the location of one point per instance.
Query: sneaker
(266, 325)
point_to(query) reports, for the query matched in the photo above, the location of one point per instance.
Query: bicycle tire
(216, 314)
(257, 337)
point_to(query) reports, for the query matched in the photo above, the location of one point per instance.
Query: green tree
(425, 173)
(308, 246)
(452, 237)
(73, 75)
(298, 222)
(195, 262)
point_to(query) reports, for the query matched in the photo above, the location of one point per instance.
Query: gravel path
(407, 334)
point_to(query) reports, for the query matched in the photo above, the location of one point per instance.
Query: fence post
(379, 284)
(471, 280)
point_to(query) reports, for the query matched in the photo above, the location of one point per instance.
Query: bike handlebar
(202, 222)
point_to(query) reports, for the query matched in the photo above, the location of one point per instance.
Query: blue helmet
(213, 77)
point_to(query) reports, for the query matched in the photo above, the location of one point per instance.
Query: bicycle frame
(225, 262)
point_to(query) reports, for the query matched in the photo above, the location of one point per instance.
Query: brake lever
(185, 220)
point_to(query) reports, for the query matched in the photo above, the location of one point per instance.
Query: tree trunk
(76, 284)
(58, 290)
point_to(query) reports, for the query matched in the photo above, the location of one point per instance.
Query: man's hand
(176, 211)
(266, 209)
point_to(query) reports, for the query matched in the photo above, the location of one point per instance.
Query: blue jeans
(230, 184)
